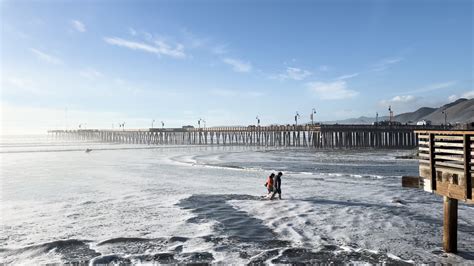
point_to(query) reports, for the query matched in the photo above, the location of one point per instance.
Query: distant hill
(459, 111)
(414, 116)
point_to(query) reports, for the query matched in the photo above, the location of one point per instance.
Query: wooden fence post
(432, 161)
(450, 232)
(467, 168)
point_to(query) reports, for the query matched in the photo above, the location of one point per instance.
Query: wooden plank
(422, 136)
(448, 144)
(453, 165)
(423, 161)
(450, 151)
(424, 155)
(446, 132)
(458, 138)
(449, 157)
(411, 181)
(450, 170)
(424, 149)
(450, 225)
(450, 190)
(423, 143)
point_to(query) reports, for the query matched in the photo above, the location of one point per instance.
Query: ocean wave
(69, 250)
(82, 149)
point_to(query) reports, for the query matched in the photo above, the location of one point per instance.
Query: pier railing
(447, 169)
(446, 162)
(316, 136)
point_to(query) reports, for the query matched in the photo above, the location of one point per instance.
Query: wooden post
(467, 168)
(432, 161)
(450, 232)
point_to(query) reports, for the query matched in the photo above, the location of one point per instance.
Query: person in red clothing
(269, 183)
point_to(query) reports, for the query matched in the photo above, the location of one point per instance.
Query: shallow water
(171, 204)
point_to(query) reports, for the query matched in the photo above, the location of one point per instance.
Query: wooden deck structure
(447, 169)
(317, 136)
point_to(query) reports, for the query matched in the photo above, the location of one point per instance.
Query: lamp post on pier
(162, 124)
(296, 118)
(199, 123)
(152, 123)
(313, 112)
(258, 120)
(445, 117)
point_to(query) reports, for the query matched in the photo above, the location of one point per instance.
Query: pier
(316, 136)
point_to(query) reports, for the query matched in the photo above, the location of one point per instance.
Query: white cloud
(432, 87)
(90, 73)
(402, 103)
(332, 90)
(399, 99)
(348, 76)
(132, 31)
(224, 92)
(159, 47)
(466, 95)
(324, 68)
(15, 84)
(235, 93)
(78, 25)
(294, 74)
(219, 49)
(453, 98)
(386, 63)
(46, 57)
(238, 65)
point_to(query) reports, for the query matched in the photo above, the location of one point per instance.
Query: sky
(101, 63)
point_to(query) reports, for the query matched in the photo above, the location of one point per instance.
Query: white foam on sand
(202, 204)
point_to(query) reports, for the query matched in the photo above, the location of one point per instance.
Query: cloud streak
(294, 74)
(235, 93)
(336, 90)
(159, 47)
(90, 73)
(386, 63)
(348, 76)
(78, 25)
(238, 65)
(46, 57)
(433, 87)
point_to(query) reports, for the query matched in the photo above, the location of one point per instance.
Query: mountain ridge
(459, 111)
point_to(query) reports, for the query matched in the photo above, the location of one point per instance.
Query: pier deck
(317, 136)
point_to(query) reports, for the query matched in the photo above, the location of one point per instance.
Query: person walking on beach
(269, 183)
(277, 186)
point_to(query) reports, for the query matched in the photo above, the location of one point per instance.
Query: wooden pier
(317, 136)
(447, 169)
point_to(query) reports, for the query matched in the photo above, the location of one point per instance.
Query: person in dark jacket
(277, 185)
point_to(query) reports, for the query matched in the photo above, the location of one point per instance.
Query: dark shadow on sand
(231, 222)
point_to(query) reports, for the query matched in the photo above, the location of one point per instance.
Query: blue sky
(99, 63)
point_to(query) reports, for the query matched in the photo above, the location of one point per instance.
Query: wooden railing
(447, 169)
(446, 162)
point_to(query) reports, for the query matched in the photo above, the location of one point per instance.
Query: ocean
(203, 204)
